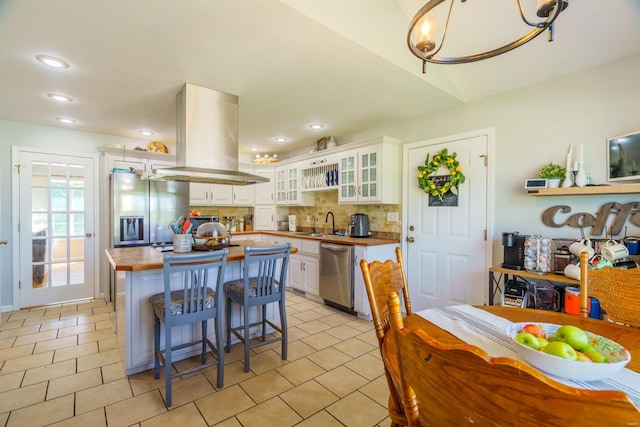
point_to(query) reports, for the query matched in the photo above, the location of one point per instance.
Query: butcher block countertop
(147, 258)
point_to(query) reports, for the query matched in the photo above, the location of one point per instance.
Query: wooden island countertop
(147, 258)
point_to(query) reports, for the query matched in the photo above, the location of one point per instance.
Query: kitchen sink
(304, 233)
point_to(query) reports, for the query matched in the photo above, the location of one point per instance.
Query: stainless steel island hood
(206, 140)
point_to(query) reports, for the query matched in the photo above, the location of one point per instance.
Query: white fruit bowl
(570, 369)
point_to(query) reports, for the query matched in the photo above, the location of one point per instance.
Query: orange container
(572, 301)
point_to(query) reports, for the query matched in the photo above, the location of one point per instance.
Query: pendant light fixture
(421, 37)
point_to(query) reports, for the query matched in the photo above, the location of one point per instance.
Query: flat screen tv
(623, 157)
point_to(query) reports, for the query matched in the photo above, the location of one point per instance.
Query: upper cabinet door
(265, 192)
(347, 185)
(369, 185)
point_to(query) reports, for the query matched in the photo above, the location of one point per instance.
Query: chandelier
(421, 37)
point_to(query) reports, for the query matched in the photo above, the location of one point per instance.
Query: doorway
(55, 222)
(446, 247)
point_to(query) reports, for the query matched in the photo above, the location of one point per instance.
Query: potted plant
(553, 173)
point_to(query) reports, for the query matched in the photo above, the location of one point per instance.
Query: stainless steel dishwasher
(336, 275)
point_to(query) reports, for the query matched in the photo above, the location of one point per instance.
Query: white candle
(569, 157)
(575, 166)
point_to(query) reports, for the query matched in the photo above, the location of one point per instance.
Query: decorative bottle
(568, 179)
(581, 177)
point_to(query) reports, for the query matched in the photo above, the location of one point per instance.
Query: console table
(504, 274)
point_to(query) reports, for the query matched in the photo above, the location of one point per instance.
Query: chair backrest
(380, 278)
(617, 290)
(461, 384)
(194, 272)
(267, 267)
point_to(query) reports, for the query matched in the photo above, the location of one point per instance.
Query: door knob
(89, 235)
(410, 239)
(3, 242)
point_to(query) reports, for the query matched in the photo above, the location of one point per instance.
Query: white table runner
(487, 331)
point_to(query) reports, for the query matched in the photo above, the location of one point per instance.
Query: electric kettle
(359, 225)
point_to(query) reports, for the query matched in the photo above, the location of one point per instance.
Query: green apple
(574, 336)
(543, 342)
(561, 349)
(528, 340)
(594, 355)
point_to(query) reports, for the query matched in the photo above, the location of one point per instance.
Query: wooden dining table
(624, 335)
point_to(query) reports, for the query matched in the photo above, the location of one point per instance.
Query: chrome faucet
(334, 230)
(313, 230)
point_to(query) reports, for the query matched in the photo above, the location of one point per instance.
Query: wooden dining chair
(461, 385)
(380, 279)
(617, 290)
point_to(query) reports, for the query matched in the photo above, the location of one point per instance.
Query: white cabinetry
(264, 218)
(370, 253)
(288, 191)
(265, 192)
(303, 266)
(210, 194)
(371, 174)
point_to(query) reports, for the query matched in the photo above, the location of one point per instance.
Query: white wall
(534, 126)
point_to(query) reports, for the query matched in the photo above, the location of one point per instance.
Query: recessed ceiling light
(52, 61)
(254, 149)
(316, 126)
(65, 120)
(280, 139)
(146, 132)
(59, 98)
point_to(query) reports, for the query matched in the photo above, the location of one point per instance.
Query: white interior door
(446, 248)
(56, 223)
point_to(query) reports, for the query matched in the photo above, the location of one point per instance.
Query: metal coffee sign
(612, 216)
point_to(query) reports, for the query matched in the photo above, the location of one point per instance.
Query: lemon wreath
(435, 187)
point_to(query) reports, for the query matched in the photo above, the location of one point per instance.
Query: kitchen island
(138, 275)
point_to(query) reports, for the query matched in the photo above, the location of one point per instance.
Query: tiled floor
(59, 365)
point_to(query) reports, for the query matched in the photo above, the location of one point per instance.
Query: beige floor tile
(56, 344)
(135, 409)
(367, 366)
(308, 398)
(187, 415)
(105, 309)
(321, 340)
(355, 347)
(272, 413)
(16, 332)
(108, 344)
(224, 404)
(341, 381)
(7, 342)
(98, 359)
(11, 381)
(3, 418)
(300, 371)
(145, 381)
(101, 334)
(43, 414)
(188, 390)
(329, 358)
(368, 337)
(308, 316)
(75, 352)
(306, 305)
(72, 383)
(58, 324)
(75, 330)
(298, 350)
(49, 372)
(22, 397)
(266, 361)
(17, 352)
(296, 334)
(314, 326)
(26, 314)
(113, 372)
(266, 386)
(103, 395)
(27, 362)
(369, 413)
(94, 318)
(343, 332)
(378, 390)
(62, 309)
(321, 419)
(11, 324)
(230, 422)
(77, 314)
(95, 418)
(233, 374)
(42, 319)
(337, 319)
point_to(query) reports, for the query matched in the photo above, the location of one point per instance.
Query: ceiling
(291, 62)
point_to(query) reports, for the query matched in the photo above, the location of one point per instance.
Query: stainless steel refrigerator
(141, 209)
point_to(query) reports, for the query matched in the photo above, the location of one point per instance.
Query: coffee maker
(513, 250)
